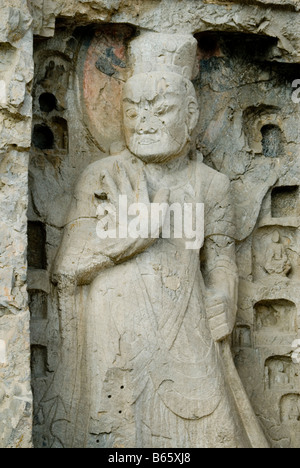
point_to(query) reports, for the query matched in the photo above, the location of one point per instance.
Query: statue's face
(157, 116)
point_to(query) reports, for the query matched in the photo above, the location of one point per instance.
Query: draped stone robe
(139, 367)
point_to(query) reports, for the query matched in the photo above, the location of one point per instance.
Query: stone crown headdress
(174, 53)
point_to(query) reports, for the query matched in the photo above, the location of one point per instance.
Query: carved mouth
(147, 141)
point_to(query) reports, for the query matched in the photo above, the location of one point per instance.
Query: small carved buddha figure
(277, 261)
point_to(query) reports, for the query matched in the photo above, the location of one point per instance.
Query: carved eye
(131, 113)
(161, 110)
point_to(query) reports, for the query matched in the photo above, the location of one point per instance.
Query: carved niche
(242, 133)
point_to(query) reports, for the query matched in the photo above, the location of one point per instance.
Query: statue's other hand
(218, 314)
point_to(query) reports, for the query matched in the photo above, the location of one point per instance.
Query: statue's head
(159, 101)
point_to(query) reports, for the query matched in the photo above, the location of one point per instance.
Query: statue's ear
(193, 114)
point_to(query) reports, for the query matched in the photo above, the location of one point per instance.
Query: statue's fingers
(110, 185)
(142, 189)
(124, 181)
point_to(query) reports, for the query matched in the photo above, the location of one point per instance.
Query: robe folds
(138, 364)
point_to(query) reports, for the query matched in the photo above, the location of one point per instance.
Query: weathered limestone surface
(248, 56)
(263, 17)
(290, 4)
(16, 73)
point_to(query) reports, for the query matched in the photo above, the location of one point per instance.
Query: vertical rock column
(16, 73)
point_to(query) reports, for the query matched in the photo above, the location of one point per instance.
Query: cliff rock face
(63, 65)
(16, 74)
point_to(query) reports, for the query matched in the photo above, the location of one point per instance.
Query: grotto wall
(62, 71)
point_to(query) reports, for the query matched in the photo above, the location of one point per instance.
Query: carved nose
(145, 126)
(142, 131)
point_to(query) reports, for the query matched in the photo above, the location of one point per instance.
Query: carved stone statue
(145, 358)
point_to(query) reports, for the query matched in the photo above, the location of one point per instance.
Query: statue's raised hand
(123, 195)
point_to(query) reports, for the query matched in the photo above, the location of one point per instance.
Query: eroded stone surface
(255, 17)
(16, 73)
